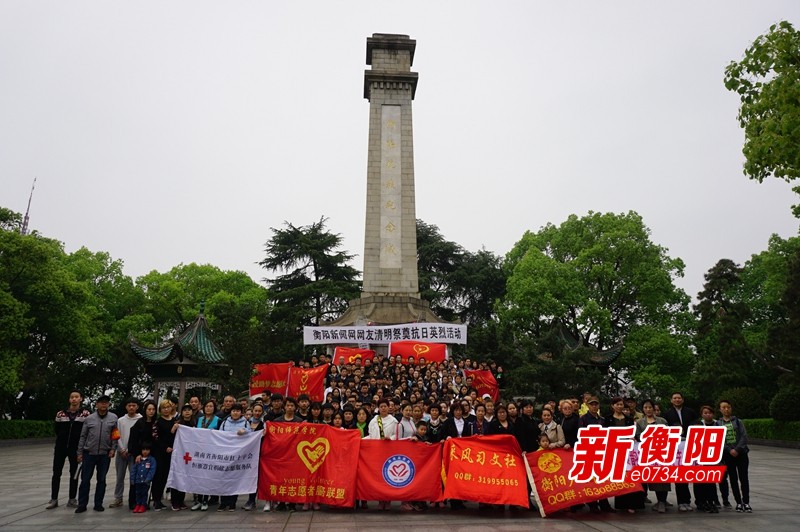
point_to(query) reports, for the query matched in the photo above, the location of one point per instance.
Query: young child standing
(142, 474)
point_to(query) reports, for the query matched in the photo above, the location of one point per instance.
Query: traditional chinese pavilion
(599, 358)
(183, 363)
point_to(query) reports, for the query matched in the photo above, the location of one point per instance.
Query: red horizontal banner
(349, 355)
(399, 471)
(270, 378)
(419, 350)
(304, 462)
(554, 490)
(488, 469)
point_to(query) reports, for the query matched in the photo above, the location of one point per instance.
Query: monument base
(387, 310)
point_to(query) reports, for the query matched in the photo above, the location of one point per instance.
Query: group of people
(383, 399)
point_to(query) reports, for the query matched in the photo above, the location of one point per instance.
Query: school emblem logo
(398, 471)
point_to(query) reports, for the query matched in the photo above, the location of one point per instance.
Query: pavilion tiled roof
(194, 343)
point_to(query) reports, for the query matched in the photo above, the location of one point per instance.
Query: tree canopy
(767, 80)
(600, 277)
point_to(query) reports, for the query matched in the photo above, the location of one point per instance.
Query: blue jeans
(91, 461)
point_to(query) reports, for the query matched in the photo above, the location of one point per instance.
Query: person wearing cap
(96, 448)
(592, 417)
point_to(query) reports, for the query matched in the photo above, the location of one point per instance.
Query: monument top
(390, 41)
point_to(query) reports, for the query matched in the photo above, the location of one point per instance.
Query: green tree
(724, 356)
(767, 80)
(461, 285)
(600, 277)
(55, 334)
(318, 281)
(783, 336)
(237, 310)
(10, 220)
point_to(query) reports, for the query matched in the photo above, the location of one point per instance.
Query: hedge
(18, 429)
(770, 429)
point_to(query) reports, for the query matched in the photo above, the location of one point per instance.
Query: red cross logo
(187, 458)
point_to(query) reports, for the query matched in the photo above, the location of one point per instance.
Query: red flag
(309, 381)
(348, 355)
(418, 350)
(270, 378)
(304, 462)
(553, 488)
(399, 471)
(484, 382)
(485, 469)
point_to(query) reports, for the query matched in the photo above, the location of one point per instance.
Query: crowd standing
(382, 399)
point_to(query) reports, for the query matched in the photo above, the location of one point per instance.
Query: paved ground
(25, 489)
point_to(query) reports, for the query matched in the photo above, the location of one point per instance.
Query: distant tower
(390, 293)
(24, 229)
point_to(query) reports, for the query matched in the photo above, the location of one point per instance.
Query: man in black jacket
(681, 416)
(69, 423)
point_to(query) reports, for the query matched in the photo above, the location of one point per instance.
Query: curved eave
(198, 336)
(161, 354)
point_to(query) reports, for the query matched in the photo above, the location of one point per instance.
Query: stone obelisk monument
(390, 293)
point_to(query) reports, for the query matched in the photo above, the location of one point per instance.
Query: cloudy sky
(178, 132)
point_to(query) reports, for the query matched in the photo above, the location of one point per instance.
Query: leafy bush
(18, 429)
(746, 402)
(783, 406)
(770, 429)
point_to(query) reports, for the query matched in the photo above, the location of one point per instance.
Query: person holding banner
(162, 451)
(237, 424)
(209, 421)
(650, 418)
(383, 427)
(456, 427)
(592, 417)
(406, 427)
(177, 497)
(553, 431)
(631, 501)
(500, 424)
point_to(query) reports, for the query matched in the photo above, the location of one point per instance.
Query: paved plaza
(25, 490)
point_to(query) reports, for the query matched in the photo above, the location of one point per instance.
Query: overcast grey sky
(178, 132)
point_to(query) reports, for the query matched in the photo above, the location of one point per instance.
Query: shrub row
(18, 429)
(770, 429)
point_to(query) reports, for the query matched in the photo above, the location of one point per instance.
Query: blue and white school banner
(212, 462)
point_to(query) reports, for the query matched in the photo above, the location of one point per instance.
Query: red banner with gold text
(305, 462)
(484, 382)
(485, 469)
(309, 381)
(399, 471)
(349, 355)
(270, 378)
(409, 348)
(555, 491)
